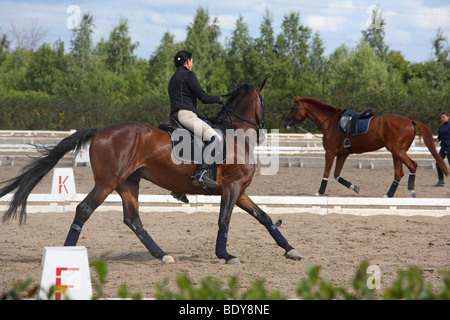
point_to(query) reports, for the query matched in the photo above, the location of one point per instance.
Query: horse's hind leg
(340, 160)
(245, 203)
(399, 160)
(412, 167)
(129, 192)
(84, 211)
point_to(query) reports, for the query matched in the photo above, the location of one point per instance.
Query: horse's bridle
(292, 119)
(258, 126)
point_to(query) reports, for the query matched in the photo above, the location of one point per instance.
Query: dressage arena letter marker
(63, 181)
(82, 156)
(66, 268)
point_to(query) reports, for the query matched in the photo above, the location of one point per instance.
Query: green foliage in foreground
(409, 285)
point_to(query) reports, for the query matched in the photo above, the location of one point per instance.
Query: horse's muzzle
(288, 123)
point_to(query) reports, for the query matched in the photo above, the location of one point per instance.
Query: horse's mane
(318, 103)
(233, 95)
(223, 118)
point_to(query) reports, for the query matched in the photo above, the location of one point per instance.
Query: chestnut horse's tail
(33, 173)
(429, 142)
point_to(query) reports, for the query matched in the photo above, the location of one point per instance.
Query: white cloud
(339, 21)
(399, 37)
(340, 7)
(227, 22)
(325, 24)
(431, 18)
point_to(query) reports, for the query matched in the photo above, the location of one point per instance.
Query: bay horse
(394, 132)
(123, 154)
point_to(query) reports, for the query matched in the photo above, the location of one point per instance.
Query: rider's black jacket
(184, 90)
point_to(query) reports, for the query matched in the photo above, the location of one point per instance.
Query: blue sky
(411, 25)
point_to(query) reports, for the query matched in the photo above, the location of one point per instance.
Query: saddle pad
(188, 148)
(362, 126)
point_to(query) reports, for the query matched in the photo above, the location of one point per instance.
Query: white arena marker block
(63, 181)
(66, 268)
(82, 156)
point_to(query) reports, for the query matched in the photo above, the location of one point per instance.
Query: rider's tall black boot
(201, 176)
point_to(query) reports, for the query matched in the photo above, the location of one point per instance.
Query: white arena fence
(291, 150)
(432, 207)
(293, 147)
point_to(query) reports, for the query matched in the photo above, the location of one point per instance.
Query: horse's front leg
(329, 159)
(227, 202)
(245, 203)
(340, 160)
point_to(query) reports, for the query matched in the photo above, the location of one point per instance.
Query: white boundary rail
(432, 207)
(296, 150)
(290, 145)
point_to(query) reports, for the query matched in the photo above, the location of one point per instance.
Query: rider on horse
(184, 90)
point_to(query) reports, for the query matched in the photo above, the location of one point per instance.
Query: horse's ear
(235, 85)
(262, 84)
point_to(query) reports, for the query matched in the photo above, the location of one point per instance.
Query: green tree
(241, 54)
(203, 41)
(81, 41)
(293, 40)
(317, 64)
(82, 64)
(291, 68)
(46, 68)
(441, 50)
(358, 75)
(119, 48)
(374, 34)
(4, 47)
(13, 70)
(161, 65)
(439, 67)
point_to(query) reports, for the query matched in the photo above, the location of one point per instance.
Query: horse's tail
(33, 173)
(429, 142)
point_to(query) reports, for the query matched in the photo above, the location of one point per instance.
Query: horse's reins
(258, 126)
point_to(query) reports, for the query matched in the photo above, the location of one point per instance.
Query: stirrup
(180, 196)
(347, 143)
(200, 181)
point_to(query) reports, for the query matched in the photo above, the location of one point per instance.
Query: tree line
(99, 84)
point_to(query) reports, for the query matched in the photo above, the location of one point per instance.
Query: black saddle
(354, 123)
(188, 148)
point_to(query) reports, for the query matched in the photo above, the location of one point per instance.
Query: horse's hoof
(168, 259)
(233, 261)
(293, 255)
(317, 194)
(413, 193)
(355, 188)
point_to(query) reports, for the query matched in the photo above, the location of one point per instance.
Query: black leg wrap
(73, 235)
(344, 182)
(392, 189)
(276, 234)
(411, 179)
(221, 246)
(323, 186)
(151, 246)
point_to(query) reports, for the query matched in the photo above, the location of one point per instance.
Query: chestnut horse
(122, 154)
(394, 132)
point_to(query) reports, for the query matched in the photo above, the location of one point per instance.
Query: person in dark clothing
(184, 90)
(444, 138)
